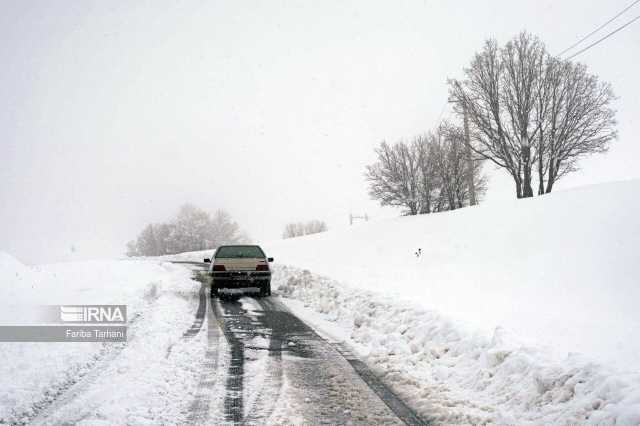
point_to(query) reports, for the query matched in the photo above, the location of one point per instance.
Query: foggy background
(113, 114)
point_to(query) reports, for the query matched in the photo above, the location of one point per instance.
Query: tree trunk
(527, 190)
(540, 178)
(552, 176)
(550, 183)
(540, 164)
(518, 187)
(470, 166)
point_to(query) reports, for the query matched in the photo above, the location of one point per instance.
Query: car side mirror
(207, 260)
(269, 259)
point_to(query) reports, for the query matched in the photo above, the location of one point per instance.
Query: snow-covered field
(144, 384)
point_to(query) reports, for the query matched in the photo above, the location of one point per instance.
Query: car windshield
(239, 252)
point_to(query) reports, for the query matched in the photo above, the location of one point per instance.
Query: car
(240, 268)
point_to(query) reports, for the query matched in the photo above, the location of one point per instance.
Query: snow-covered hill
(561, 270)
(519, 313)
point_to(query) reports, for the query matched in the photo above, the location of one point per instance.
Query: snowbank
(456, 377)
(159, 299)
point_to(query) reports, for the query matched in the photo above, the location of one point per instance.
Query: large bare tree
(498, 96)
(526, 108)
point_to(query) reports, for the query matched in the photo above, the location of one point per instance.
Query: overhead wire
(604, 38)
(599, 28)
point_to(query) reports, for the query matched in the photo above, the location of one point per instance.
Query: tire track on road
(200, 409)
(233, 316)
(269, 393)
(386, 395)
(288, 333)
(200, 312)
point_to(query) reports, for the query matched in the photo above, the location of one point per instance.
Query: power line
(604, 38)
(599, 28)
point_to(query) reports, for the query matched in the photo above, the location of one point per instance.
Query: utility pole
(470, 165)
(467, 145)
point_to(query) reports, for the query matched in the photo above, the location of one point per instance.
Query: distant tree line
(192, 229)
(523, 110)
(430, 173)
(298, 229)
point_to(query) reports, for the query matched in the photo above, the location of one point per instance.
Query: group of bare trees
(431, 173)
(533, 114)
(192, 229)
(522, 109)
(298, 229)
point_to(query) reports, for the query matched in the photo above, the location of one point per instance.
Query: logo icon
(93, 313)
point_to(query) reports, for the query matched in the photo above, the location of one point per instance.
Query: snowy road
(263, 365)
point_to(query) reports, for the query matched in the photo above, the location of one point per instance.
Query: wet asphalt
(275, 369)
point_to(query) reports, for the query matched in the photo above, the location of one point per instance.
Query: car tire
(265, 290)
(214, 291)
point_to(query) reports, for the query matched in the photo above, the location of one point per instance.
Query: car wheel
(214, 291)
(263, 290)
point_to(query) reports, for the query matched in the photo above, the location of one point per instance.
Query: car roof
(238, 245)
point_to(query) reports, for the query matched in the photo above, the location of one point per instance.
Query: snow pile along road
(137, 382)
(458, 377)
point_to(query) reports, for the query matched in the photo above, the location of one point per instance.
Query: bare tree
(146, 243)
(523, 59)
(454, 172)
(164, 233)
(430, 174)
(526, 108)
(298, 229)
(314, 227)
(428, 188)
(578, 119)
(395, 178)
(132, 248)
(223, 230)
(292, 230)
(192, 229)
(499, 96)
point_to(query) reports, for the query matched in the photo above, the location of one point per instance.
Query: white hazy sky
(114, 113)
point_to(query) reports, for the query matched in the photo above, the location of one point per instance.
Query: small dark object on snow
(418, 253)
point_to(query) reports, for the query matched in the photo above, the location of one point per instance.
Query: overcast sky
(113, 113)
